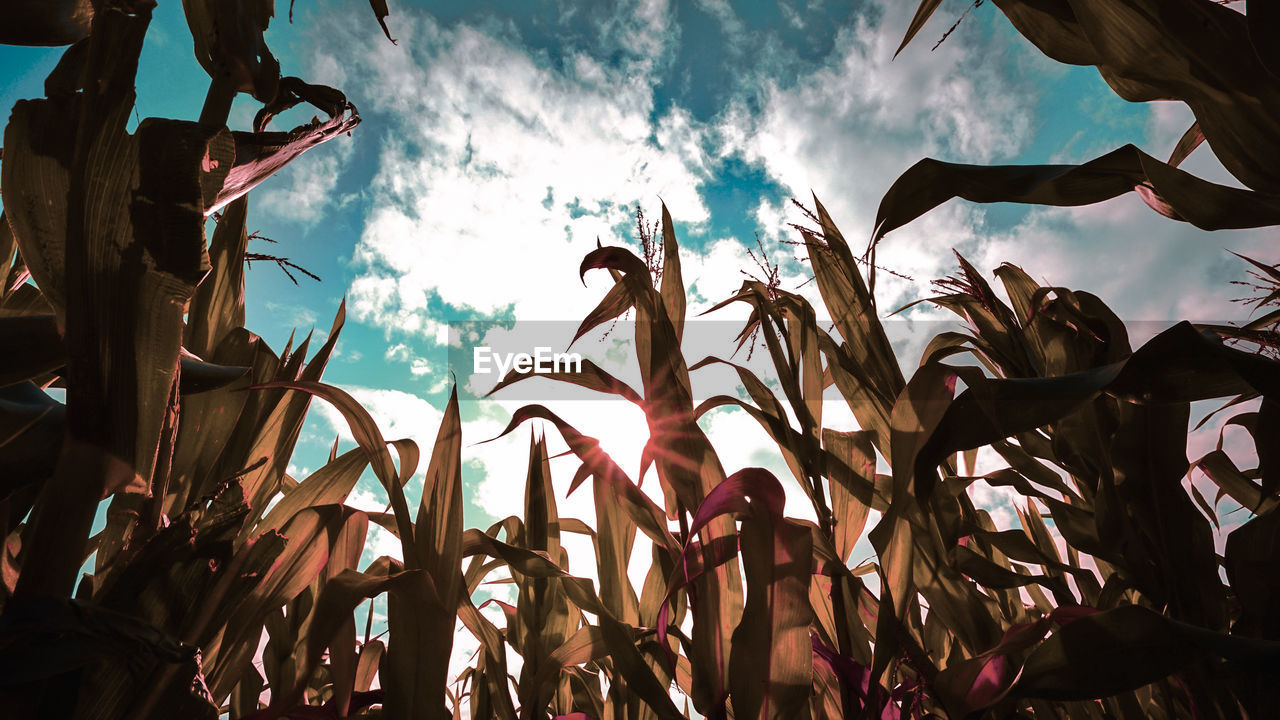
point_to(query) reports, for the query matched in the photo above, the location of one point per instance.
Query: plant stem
(217, 102)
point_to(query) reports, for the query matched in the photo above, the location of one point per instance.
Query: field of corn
(221, 586)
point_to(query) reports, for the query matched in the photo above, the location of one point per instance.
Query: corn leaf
(1126, 648)
(217, 307)
(770, 666)
(923, 11)
(1169, 191)
(38, 22)
(1199, 53)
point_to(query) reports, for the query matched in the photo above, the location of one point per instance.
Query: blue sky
(501, 139)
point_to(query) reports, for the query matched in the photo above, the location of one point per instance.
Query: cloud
(499, 166)
(620, 428)
(863, 111)
(398, 414)
(852, 124)
(1150, 270)
(297, 316)
(730, 23)
(420, 367)
(398, 351)
(791, 14)
(502, 166)
(303, 191)
(502, 170)
(643, 28)
(310, 187)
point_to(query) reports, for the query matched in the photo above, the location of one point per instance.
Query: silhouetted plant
(1107, 600)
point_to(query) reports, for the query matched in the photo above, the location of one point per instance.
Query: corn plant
(1114, 607)
(1108, 599)
(173, 410)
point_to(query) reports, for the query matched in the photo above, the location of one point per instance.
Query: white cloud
(420, 367)
(379, 541)
(726, 16)
(305, 189)
(310, 187)
(851, 126)
(398, 414)
(620, 427)
(643, 28)
(502, 172)
(792, 15)
(1148, 269)
(298, 316)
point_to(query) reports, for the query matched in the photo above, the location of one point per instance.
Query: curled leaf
(1169, 191)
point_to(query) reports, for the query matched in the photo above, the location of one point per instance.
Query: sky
(500, 140)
